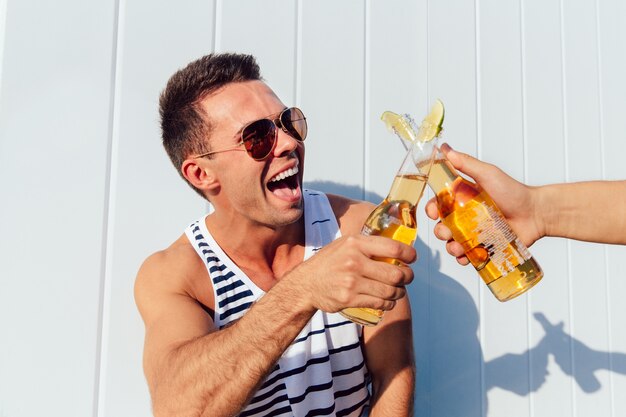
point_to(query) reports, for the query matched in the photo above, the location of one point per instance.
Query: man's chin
(292, 215)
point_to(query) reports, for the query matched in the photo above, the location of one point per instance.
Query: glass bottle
(501, 259)
(395, 216)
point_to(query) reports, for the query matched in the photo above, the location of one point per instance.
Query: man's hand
(517, 201)
(343, 274)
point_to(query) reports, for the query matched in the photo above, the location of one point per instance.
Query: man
(241, 311)
(592, 211)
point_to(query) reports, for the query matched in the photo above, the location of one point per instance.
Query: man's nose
(285, 144)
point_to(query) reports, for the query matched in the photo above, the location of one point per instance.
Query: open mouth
(285, 184)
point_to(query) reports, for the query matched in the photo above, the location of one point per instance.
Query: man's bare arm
(388, 345)
(390, 360)
(193, 371)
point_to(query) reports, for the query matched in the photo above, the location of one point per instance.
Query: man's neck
(257, 248)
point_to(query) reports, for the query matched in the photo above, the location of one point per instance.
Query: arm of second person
(591, 211)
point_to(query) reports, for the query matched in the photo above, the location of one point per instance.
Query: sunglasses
(259, 137)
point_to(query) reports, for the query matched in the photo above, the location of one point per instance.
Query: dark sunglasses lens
(294, 122)
(258, 138)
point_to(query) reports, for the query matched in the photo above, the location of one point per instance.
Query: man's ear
(201, 177)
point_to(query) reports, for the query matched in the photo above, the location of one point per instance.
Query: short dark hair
(185, 127)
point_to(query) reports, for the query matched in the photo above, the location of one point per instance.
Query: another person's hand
(517, 201)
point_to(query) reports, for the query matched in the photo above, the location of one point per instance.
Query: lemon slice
(400, 125)
(432, 124)
(404, 126)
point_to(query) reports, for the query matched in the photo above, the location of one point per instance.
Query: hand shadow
(586, 361)
(449, 357)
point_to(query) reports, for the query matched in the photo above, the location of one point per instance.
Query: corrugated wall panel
(546, 163)
(3, 25)
(501, 141)
(275, 49)
(332, 93)
(588, 265)
(396, 80)
(455, 367)
(150, 204)
(533, 86)
(54, 141)
(612, 61)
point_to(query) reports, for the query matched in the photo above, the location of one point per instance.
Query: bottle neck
(442, 174)
(410, 180)
(407, 188)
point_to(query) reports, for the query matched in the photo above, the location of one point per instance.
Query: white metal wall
(86, 192)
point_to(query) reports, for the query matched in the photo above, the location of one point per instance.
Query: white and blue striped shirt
(323, 372)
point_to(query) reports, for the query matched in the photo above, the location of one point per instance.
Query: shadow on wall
(448, 352)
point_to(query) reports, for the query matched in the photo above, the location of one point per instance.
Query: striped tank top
(323, 372)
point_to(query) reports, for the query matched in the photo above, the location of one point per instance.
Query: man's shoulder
(350, 213)
(172, 283)
(169, 269)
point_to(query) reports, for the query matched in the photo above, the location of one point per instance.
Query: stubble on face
(245, 194)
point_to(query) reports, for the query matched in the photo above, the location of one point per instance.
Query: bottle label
(393, 228)
(486, 228)
(501, 253)
(366, 230)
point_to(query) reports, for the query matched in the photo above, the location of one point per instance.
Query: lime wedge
(432, 124)
(400, 125)
(404, 126)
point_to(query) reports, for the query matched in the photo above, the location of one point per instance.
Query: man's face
(252, 190)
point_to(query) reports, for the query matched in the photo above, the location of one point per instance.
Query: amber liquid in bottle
(501, 259)
(393, 218)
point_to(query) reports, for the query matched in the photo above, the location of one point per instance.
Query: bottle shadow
(452, 358)
(451, 369)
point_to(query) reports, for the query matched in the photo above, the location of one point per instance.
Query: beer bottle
(395, 216)
(501, 259)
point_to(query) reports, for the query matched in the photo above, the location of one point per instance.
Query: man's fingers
(382, 247)
(387, 274)
(368, 301)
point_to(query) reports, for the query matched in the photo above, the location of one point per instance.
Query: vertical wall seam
(607, 286)
(522, 45)
(430, 277)
(215, 45)
(478, 115)
(600, 95)
(563, 91)
(477, 83)
(213, 41)
(366, 99)
(523, 92)
(3, 31)
(104, 307)
(217, 27)
(427, 55)
(567, 176)
(297, 55)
